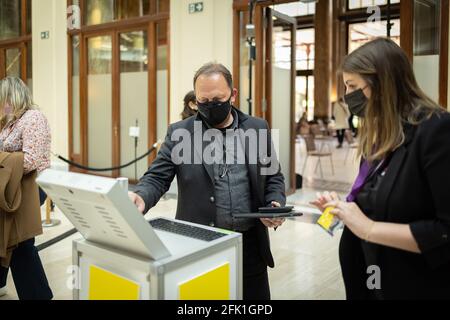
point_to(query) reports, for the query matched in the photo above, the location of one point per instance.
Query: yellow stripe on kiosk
(104, 285)
(214, 285)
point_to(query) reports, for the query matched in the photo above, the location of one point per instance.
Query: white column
(196, 39)
(50, 84)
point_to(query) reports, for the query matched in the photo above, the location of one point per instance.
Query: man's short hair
(215, 68)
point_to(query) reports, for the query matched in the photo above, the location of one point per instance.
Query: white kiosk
(122, 256)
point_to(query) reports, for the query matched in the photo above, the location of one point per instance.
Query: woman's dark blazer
(415, 191)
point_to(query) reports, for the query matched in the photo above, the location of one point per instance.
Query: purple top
(360, 180)
(364, 172)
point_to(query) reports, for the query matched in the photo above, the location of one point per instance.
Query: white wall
(50, 68)
(195, 40)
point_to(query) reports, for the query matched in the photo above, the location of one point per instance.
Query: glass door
(264, 69)
(11, 62)
(134, 66)
(426, 49)
(15, 40)
(101, 131)
(280, 93)
(114, 101)
(118, 81)
(424, 37)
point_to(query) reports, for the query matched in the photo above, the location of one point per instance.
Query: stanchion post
(49, 222)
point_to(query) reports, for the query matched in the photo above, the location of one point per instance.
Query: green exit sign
(45, 35)
(196, 7)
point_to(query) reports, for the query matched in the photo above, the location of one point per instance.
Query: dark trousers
(42, 196)
(256, 278)
(352, 127)
(354, 268)
(340, 135)
(28, 273)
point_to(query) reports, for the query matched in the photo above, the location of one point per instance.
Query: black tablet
(276, 209)
(259, 215)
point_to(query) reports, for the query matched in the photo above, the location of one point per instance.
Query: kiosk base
(196, 270)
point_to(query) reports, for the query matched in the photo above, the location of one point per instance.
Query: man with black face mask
(212, 193)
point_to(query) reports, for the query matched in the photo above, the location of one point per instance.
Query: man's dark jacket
(196, 193)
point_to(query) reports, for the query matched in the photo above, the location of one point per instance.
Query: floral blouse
(31, 135)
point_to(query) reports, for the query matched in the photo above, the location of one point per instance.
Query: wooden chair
(322, 136)
(311, 151)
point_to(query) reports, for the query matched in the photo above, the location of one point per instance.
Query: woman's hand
(352, 216)
(323, 199)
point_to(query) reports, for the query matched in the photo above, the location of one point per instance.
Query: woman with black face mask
(396, 241)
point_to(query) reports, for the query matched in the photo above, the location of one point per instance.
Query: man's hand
(138, 201)
(273, 223)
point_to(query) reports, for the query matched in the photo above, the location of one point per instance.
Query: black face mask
(357, 102)
(214, 112)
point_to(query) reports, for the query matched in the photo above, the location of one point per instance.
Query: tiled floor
(307, 265)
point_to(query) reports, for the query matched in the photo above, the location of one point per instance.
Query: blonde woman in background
(25, 129)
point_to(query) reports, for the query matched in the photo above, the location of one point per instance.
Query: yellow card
(326, 219)
(104, 285)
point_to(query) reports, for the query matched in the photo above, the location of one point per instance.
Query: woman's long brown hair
(396, 97)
